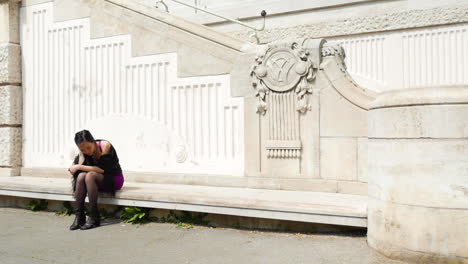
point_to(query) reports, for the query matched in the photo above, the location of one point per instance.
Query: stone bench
(313, 207)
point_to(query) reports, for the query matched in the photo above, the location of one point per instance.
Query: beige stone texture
(433, 121)
(33, 2)
(421, 113)
(427, 172)
(455, 94)
(290, 184)
(352, 187)
(334, 70)
(201, 51)
(240, 76)
(318, 207)
(338, 158)
(9, 172)
(418, 162)
(252, 143)
(362, 159)
(418, 234)
(10, 152)
(9, 22)
(10, 63)
(11, 106)
(71, 9)
(340, 118)
(399, 17)
(311, 185)
(310, 139)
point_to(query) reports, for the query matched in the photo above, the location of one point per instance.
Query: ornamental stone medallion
(282, 77)
(283, 67)
(276, 71)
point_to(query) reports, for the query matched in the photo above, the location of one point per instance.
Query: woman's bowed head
(95, 169)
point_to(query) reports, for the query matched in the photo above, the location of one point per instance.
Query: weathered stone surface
(340, 118)
(352, 187)
(448, 95)
(9, 172)
(420, 234)
(11, 106)
(338, 158)
(201, 51)
(399, 19)
(10, 63)
(432, 171)
(362, 159)
(318, 207)
(10, 152)
(9, 21)
(418, 159)
(434, 121)
(68, 9)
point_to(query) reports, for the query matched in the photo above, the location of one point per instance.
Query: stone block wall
(10, 89)
(418, 185)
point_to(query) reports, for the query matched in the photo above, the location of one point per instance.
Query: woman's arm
(80, 167)
(88, 168)
(74, 167)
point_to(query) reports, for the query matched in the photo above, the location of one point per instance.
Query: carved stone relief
(282, 77)
(281, 69)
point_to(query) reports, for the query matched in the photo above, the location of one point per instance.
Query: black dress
(108, 162)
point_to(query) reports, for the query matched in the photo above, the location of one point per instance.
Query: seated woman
(95, 169)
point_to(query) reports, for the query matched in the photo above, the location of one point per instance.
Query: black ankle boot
(94, 220)
(80, 219)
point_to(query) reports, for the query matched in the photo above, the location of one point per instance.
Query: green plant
(111, 213)
(185, 219)
(136, 215)
(67, 209)
(35, 205)
(184, 225)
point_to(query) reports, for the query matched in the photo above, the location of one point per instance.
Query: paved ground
(42, 237)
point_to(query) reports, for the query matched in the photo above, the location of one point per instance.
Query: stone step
(313, 207)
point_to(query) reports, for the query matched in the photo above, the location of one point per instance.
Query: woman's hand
(73, 169)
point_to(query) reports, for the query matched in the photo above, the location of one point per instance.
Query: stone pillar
(418, 175)
(10, 89)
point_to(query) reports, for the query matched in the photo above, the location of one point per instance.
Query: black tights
(86, 182)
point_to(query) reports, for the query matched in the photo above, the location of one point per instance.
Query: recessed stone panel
(339, 117)
(338, 158)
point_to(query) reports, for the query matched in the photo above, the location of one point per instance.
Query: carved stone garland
(282, 78)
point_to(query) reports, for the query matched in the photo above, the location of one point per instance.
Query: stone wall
(418, 185)
(10, 89)
(354, 23)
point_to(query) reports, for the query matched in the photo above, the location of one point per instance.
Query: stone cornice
(368, 24)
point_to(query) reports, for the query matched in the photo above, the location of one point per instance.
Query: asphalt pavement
(43, 237)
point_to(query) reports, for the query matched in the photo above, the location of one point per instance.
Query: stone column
(10, 89)
(418, 175)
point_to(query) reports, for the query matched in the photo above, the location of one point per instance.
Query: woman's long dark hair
(82, 136)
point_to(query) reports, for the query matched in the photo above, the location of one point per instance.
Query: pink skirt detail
(118, 182)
